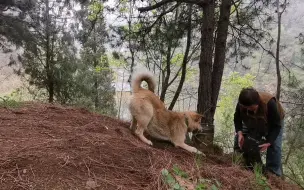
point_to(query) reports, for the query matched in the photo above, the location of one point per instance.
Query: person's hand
(240, 139)
(264, 146)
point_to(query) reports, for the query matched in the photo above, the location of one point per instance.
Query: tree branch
(175, 76)
(237, 11)
(148, 29)
(292, 179)
(298, 66)
(260, 44)
(155, 6)
(164, 2)
(185, 60)
(294, 103)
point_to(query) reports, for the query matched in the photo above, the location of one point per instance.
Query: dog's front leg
(189, 148)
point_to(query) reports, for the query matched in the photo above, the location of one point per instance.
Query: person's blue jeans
(273, 155)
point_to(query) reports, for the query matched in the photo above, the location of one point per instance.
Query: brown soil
(45, 146)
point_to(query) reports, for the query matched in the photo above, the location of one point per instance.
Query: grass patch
(177, 179)
(7, 102)
(237, 158)
(260, 179)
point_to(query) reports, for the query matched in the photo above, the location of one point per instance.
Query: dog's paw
(197, 152)
(150, 143)
(194, 150)
(200, 153)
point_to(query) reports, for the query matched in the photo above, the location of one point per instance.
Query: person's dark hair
(249, 96)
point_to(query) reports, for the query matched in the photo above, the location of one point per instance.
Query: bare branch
(155, 6)
(284, 8)
(292, 179)
(175, 76)
(195, 48)
(259, 43)
(148, 29)
(237, 11)
(93, 23)
(294, 103)
(185, 60)
(164, 2)
(298, 66)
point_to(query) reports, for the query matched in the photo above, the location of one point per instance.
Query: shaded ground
(45, 146)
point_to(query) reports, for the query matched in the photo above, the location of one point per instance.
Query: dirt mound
(45, 146)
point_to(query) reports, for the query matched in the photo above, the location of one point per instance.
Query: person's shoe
(268, 172)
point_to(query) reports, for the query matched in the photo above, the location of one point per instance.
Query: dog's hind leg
(140, 133)
(142, 125)
(133, 125)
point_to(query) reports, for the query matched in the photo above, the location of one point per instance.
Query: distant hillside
(8, 80)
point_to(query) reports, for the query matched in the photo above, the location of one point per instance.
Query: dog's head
(194, 121)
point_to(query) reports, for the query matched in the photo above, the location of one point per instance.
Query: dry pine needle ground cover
(44, 146)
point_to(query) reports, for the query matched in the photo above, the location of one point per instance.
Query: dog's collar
(186, 121)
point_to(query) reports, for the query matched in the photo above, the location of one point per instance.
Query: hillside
(46, 146)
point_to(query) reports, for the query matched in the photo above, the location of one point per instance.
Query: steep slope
(45, 146)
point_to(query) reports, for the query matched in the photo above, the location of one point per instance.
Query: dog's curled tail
(143, 76)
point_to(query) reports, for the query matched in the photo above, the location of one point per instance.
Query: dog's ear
(198, 117)
(201, 115)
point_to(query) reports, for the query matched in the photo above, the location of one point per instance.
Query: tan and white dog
(150, 114)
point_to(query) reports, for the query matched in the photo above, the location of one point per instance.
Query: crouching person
(259, 120)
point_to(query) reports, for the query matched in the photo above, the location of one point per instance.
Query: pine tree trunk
(51, 91)
(279, 78)
(277, 58)
(131, 47)
(205, 74)
(48, 64)
(211, 75)
(95, 77)
(220, 52)
(96, 101)
(121, 93)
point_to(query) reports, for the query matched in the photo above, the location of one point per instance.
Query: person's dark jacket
(265, 122)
